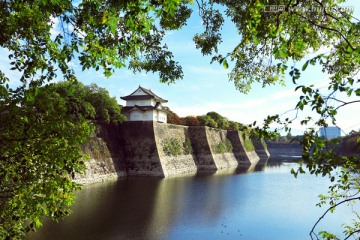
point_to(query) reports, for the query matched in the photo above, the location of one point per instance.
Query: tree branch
(357, 231)
(346, 103)
(329, 209)
(324, 10)
(327, 28)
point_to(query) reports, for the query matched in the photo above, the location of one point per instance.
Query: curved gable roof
(148, 95)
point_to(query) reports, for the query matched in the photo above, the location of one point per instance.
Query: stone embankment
(160, 149)
(261, 148)
(284, 150)
(106, 158)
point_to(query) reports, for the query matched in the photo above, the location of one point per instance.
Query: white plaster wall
(162, 117)
(155, 115)
(153, 102)
(145, 102)
(141, 116)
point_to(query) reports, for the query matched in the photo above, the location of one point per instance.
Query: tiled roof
(149, 95)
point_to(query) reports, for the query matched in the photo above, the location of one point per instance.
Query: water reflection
(256, 202)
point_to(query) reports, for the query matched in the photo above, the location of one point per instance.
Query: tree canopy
(40, 151)
(40, 143)
(273, 36)
(91, 102)
(211, 119)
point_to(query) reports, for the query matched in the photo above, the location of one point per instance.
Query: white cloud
(55, 29)
(284, 94)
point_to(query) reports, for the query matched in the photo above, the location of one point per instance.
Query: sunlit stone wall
(243, 156)
(142, 149)
(183, 162)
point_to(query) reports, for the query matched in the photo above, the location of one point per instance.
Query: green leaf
(225, 64)
(283, 54)
(305, 66)
(357, 92)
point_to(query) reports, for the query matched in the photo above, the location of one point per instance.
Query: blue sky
(206, 87)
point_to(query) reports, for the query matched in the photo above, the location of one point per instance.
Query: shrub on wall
(206, 120)
(173, 118)
(220, 148)
(172, 147)
(248, 145)
(223, 147)
(191, 121)
(228, 145)
(187, 147)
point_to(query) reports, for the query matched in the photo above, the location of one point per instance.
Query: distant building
(144, 105)
(330, 132)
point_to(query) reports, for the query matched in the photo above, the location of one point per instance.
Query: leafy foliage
(211, 119)
(235, 126)
(40, 151)
(173, 118)
(248, 145)
(223, 147)
(91, 101)
(187, 147)
(206, 120)
(270, 39)
(221, 122)
(191, 121)
(172, 147)
(113, 34)
(97, 33)
(42, 128)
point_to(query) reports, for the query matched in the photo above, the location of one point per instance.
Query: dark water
(265, 202)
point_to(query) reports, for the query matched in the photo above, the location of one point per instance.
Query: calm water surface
(263, 202)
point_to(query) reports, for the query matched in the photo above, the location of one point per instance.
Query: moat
(263, 202)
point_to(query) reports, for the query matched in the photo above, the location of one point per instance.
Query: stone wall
(260, 149)
(106, 158)
(222, 160)
(183, 162)
(138, 148)
(284, 150)
(199, 141)
(243, 156)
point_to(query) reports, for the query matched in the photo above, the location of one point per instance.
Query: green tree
(275, 35)
(234, 126)
(173, 118)
(107, 108)
(113, 34)
(271, 41)
(40, 152)
(206, 120)
(91, 101)
(191, 121)
(222, 122)
(40, 137)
